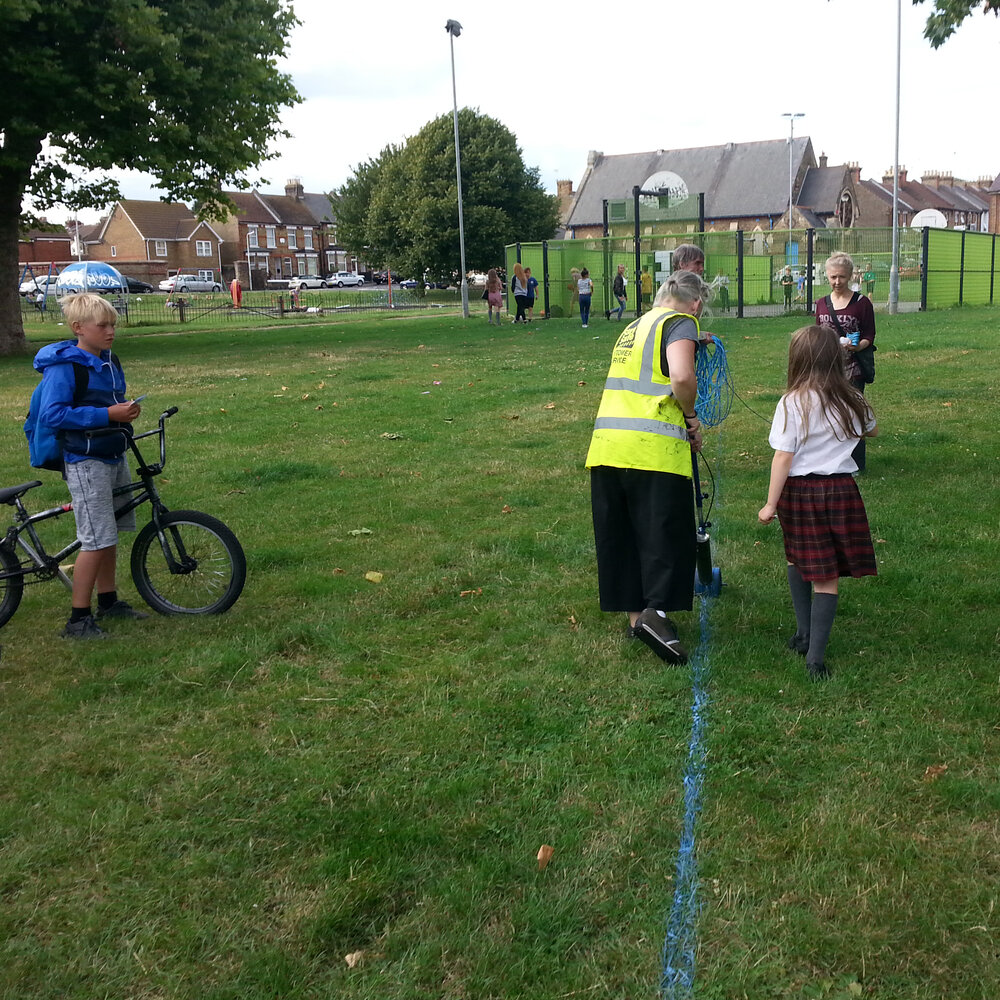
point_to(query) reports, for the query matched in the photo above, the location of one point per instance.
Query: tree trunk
(12, 183)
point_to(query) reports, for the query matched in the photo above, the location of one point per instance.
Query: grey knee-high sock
(824, 610)
(801, 601)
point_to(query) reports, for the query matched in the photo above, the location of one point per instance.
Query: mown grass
(228, 807)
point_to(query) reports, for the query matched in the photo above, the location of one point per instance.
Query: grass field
(228, 808)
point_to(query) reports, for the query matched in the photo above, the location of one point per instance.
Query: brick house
(993, 193)
(745, 187)
(151, 239)
(280, 236)
(43, 247)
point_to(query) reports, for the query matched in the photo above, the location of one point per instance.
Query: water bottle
(854, 338)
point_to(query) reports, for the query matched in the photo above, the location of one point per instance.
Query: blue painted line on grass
(679, 945)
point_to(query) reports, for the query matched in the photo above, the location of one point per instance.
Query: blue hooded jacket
(106, 387)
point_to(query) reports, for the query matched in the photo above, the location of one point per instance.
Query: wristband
(690, 416)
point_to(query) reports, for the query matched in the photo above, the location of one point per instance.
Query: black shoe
(660, 634)
(120, 609)
(85, 628)
(817, 671)
(799, 644)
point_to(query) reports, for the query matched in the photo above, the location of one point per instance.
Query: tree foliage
(949, 14)
(187, 90)
(401, 209)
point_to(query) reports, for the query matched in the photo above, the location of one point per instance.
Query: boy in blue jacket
(94, 466)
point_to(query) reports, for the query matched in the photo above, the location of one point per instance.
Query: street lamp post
(791, 136)
(454, 29)
(894, 266)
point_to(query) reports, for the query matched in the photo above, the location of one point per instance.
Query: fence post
(281, 305)
(810, 250)
(739, 274)
(545, 277)
(924, 267)
(993, 266)
(180, 309)
(961, 272)
(638, 254)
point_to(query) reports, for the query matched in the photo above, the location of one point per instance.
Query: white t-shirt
(820, 451)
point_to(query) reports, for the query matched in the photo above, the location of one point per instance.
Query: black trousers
(644, 530)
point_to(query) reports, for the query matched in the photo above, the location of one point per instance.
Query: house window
(252, 238)
(302, 265)
(114, 251)
(307, 239)
(203, 248)
(271, 236)
(291, 238)
(288, 266)
(160, 248)
(206, 275)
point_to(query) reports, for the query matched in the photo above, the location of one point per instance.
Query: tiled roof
(821, 189)
(161, 220)
(738, 179)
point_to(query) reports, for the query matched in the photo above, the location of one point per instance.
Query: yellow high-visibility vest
(639, 423)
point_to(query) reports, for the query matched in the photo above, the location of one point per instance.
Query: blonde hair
(839, 259)
(87, 307)
(683, 287)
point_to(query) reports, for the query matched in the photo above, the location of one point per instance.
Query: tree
(187, 90)
(408, 199)
(949, 14)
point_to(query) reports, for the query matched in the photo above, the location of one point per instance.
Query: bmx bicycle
(183, 562)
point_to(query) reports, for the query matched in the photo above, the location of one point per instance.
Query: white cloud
(567, 79)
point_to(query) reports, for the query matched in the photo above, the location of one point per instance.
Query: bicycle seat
(11, 493)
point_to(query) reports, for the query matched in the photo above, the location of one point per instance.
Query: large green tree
(188, 90)
(949, 14)
(407, 199)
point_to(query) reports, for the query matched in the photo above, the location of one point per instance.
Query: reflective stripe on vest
(639, 424)
(642, 425)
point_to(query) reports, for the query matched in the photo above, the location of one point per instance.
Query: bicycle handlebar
(132, 437)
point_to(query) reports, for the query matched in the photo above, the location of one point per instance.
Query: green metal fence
(745, 267)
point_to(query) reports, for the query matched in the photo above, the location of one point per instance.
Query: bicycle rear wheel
(196, 567)
(11, 587)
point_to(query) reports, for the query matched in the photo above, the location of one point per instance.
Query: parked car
(137, 287)
(408, 283)
(383, 277)
(342, 278)
(189, 283)
(304, 281)
(40, 283)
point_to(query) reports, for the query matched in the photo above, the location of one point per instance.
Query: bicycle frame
(45, 566)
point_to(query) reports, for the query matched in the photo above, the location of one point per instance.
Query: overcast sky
(568, 78)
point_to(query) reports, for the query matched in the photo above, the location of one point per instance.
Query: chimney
(294, 189)
(822, 161)
(592, 157)
(855, 169)
(564, 189)
(931, 180)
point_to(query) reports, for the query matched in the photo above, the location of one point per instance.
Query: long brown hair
(816, 362)
(519, 274)
(493, 282)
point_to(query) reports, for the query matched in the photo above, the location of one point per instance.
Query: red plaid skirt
(825, 526)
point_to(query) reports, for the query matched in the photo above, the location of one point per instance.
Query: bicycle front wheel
(194, 566)
(11, 587)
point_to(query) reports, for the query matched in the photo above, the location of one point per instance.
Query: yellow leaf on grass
(506, 509)
(471, 593)
(354, 958)
(545, 856)
(549, 406)
(372, 576)
(934, 771)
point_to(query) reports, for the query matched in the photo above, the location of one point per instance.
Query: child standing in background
(816, 425)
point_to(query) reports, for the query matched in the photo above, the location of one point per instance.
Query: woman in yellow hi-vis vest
(640, 467)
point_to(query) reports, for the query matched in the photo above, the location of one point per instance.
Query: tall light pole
(894, 266)
(454, 29)
(791, 136)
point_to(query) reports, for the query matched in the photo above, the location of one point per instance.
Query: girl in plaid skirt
(816, 426)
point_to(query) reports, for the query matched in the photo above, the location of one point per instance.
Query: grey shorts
(90, 484)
